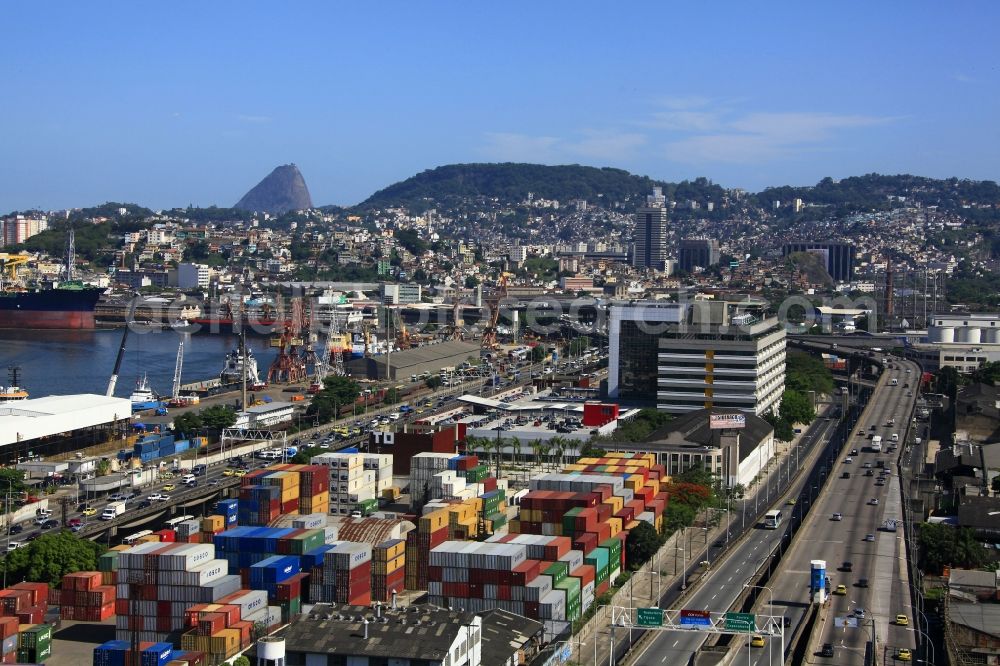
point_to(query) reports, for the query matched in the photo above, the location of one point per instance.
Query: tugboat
(144, 397)
(232, 370)
(13, 392)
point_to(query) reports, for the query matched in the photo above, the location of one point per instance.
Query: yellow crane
(11, 262)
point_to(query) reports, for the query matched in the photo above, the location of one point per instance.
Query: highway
(725, 581)
(878, 578)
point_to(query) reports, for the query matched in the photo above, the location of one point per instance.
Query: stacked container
(83, 596)
(423, 467)
(8, 639)
(189, 531)
(388, 569)
(432, 531)
(34, 643)
(228, 509)
(380, 466)
(259, 504)
(119, 653)
(347, 574)
(350, 483)
(157, 583)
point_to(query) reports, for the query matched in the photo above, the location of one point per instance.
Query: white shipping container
(310, 521)
(574, 558)
(552, 606)
(647, 517)
(538, 588)
(250, 602)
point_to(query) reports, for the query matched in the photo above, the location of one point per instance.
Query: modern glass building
(838, 257)
(650, 249)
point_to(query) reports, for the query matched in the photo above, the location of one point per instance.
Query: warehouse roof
(504, 634)
(431, 353)
(984, 618)
(55, 414)
(414, 632)
(372, 530)
(692, 429)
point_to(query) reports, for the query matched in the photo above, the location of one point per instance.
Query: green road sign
(650, 617)
(740, 622)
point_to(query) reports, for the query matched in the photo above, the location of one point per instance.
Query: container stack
(228, 509)
(379, 465)
(347, 574)
(423, 467)
(350, 483)
(34, 644)
(107, 564)
(119, 653)
(218, 630)
(538, 577)
(158, 582)
(189, 531)
(259, 504)
(8, 639)
(288, 482)
(83, 597)
(431, 532)
(388, 569)
(210, 526)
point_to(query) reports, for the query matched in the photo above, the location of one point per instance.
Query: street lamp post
(781, 635)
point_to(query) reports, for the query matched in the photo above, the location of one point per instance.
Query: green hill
(511, 182)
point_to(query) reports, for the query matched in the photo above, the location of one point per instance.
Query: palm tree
(544, 448)
(559, 444)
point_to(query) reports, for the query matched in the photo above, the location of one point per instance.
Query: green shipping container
(309, 541)
(37, 636)
(598, 558)
(558, 571)
(108, 561)
(569, 520)
(571, 586)
(498, 519)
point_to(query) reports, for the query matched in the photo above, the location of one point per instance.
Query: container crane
(490, 342)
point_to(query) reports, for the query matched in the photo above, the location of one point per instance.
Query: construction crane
(456, 322)
(402, 335)
(288, 366)
(178, 364)
(10, 262)
(489, 342)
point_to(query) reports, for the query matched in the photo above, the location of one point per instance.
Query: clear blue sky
(166, 104)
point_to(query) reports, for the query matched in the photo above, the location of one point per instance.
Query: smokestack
(394, 600)
(378, 609)
(366, 628)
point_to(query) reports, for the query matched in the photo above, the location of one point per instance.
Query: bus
(772, 519)
(877, 443)
(132, 538)
(172, 523)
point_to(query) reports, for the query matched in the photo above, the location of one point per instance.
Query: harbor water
(65, 362)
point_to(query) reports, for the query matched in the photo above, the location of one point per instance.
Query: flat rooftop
(56, 414)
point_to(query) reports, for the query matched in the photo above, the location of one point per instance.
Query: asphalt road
(881, 561)
(725, 581)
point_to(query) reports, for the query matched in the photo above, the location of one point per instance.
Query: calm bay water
(64, 362)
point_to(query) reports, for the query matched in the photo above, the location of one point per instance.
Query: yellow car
(904, 654)
(241, 472)
(902, 621)
(841, 589)
(167, 488)
(791, 501)
(757, 641)
(89, 511)
(228, 472)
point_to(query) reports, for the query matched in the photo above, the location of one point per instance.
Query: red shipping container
(39, 592)
(121, 606)
(605, 491)
(489, 484)
(211, 623)
(586, 542)
(627, 515)
(363, 599)
(603, 532)
(166, 536)
(531, 609)
(8, 626)
(503, 592)
(601, 588)
(557, 547)
(35, 614)
(525, 572)
(245, 628)
(585, 574)
(14, 601)
(10, 657)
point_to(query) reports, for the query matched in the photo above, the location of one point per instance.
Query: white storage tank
(991, 335)
(941, 334)
(971, 334)
(271, 650)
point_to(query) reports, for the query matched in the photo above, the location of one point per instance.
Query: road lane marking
(676, 642)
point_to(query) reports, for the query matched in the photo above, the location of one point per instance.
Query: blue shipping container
(157, 654)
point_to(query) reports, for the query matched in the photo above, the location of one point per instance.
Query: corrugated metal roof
(54, 414)
(373, 530)
(431, 353)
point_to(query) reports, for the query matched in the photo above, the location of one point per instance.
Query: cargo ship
(68, 306)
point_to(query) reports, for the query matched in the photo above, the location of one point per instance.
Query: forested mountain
(513, 181)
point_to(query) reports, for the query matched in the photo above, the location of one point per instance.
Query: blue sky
(170, 104)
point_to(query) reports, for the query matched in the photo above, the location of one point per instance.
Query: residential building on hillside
(838, 258)
(651, 233)
(698, 253)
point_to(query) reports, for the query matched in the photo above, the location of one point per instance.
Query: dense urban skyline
(167, 107)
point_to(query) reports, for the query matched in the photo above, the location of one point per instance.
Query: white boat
(12, 393)
(232, 370)
(144, 397)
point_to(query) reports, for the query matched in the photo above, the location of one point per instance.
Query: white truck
(877, 443)
(113, 510)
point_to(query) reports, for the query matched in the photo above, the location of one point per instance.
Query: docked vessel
(12, 394)
(68, 306)
(232, 370)
(144, 397)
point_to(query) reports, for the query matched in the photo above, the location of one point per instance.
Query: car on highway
(144, 504)
(880, 482)
(827, 650)
(869, 472)
(791, 501)
(873, 501)
(214, 482)
(869, 537)
(241, 472)
(902, 621)
(847, 566)
(867, 465)
(859, 613)
(159, 497)
(840, 589)
(862, 582)
(837, 516)
(848, 460)
(169, 487)
(73, 522)
(757, 641)
(50, 524)
(228, 472)
(14, 545)
(16, 529)
(854, 452)
(904, 654)
(89, 511)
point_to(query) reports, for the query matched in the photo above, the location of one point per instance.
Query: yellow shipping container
(225, 642)
(654, 484)
(616, 525)
(515, 526)
(213, 524)
(391, 493)
(149, 538)
(108, 578)
(660, 522)
(632, 525)
(633, 482)
(433, 521)
(616, 503)
(121, 548)
(381, 554)
(588, 461)
(575, 468)
(616, 454)
(290, 495)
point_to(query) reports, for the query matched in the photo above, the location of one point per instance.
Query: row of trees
(51, 556)
(213, 419)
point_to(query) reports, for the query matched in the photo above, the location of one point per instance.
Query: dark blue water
(64, 362)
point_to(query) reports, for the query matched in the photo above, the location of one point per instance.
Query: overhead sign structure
(726, 421)
(649, 617)
(701, 618)
(743, 622)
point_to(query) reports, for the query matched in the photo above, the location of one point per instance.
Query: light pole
(770, 604)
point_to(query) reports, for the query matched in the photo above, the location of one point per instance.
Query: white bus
(772, 519)
(132, 538)
(877, 443)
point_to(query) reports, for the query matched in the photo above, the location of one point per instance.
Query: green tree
(50, 557)
(641, 544)
(241, 660)
(433, 382)
(678, 516)
(804, 373)
(13, 480)
(796, 408)
(336, 392)
(218, 417)
(538, 353)
(188, 423)
(471, 282)
(782, 428)
(578, 345)
(103, 467)
(943, 545)
(391, 396)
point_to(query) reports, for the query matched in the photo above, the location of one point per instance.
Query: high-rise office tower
(651, 232)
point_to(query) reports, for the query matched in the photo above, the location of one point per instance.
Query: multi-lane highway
(876, 580)
(727, 578)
